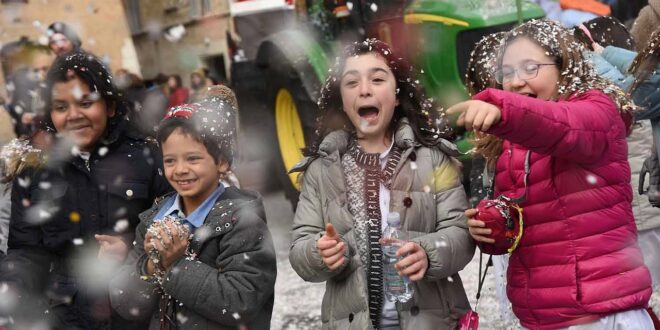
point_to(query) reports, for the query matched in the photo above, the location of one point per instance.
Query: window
(132, 8)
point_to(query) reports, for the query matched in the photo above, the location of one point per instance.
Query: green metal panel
(437, 24)
(318, 60)
(476, 13)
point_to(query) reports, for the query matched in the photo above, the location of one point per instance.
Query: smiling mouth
(185, 182)
(77, 129)
(530, 95)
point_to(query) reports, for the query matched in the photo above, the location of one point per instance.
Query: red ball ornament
(504, 219)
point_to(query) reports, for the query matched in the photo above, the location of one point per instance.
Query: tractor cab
(346, 21)
(293, 46)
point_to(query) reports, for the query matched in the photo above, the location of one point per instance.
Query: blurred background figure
(25, 99)
(62, 38)
(177, 93)
(147, 105)
(6, 135)
(647, 21)
(197, 85)
(209, 81)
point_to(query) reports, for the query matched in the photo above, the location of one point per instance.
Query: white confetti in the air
(43, 214)
(75, 151)
(592, 179)
(175, 33)
(181, 318)
(134, 311)
(77, 92)
(121, 226)
(364, 123)
(24, 182)
(439, 244)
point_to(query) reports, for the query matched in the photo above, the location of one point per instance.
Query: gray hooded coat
(435, 220)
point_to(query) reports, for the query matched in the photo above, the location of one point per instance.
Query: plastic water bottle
(396, 287)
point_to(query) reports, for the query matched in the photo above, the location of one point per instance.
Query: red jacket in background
(178, 97)
(578, 259)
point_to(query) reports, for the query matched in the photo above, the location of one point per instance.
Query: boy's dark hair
(187, 126)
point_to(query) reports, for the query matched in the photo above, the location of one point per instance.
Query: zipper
(513, 178)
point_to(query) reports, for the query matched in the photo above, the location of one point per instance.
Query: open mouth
(530, 95)
(368, 112)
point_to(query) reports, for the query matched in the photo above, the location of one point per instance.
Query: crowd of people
(124, 212)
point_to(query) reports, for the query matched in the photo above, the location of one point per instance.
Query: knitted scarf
(363, 175)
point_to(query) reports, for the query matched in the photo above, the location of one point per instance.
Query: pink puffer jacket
(578, 259)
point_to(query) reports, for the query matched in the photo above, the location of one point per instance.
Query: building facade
(180, 36)
(101, 25)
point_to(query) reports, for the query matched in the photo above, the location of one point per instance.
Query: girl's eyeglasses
(524, 72)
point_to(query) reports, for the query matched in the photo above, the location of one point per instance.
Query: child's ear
(223, 166)
(112, 110)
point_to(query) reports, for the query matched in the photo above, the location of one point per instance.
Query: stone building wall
(161, 50)
(101, 25)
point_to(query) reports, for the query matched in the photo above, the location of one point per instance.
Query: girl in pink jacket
(562, 134)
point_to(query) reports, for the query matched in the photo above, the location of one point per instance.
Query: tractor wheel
(295, 117)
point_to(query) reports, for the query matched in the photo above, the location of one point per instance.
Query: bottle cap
(394, 219)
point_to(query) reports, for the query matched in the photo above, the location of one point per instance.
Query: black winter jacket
(57, 210)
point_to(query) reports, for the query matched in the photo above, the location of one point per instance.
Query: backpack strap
(482, 278)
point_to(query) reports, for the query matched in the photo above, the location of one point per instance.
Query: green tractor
(292, 61)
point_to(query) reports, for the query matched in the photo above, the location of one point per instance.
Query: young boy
(221, 276)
